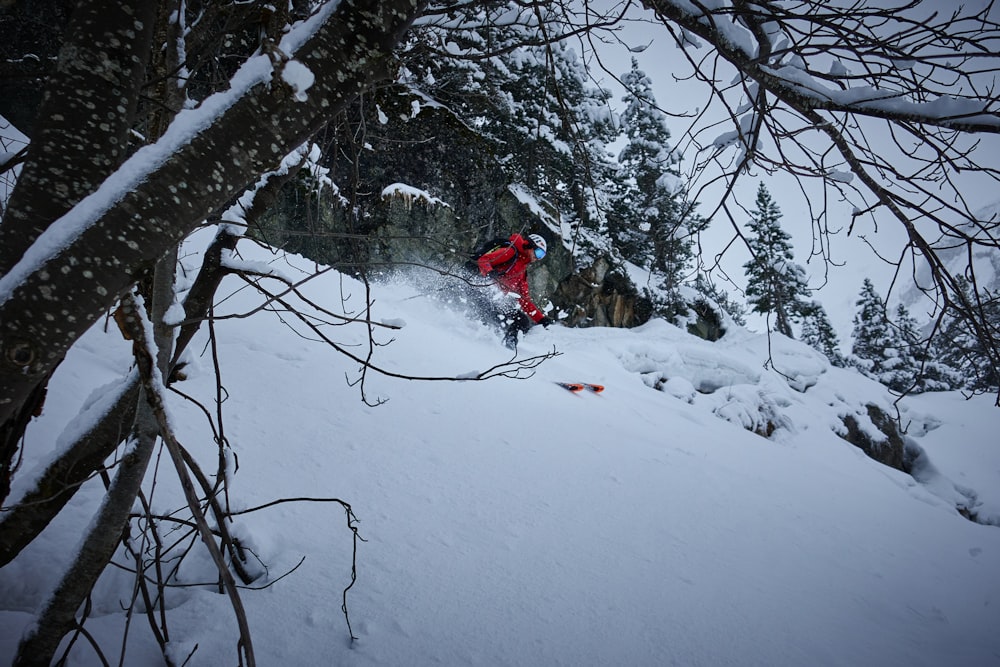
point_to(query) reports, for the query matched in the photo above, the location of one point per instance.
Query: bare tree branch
(820, 82)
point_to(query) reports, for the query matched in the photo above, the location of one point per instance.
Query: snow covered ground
(510, 522)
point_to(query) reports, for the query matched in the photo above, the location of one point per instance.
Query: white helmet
(539, 245)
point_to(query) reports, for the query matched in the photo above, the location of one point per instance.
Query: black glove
(546, 321)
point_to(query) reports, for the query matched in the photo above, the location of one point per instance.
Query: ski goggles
(539, 253)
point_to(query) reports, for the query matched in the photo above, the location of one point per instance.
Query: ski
(577, 387)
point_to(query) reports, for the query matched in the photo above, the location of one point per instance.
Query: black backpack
(487, 247)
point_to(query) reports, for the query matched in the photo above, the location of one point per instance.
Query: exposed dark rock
(890, 451)
(707, 323)
(601, 296)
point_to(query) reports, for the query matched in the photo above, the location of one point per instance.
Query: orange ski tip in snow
(576, 387)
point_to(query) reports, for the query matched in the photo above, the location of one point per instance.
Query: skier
(506, 265)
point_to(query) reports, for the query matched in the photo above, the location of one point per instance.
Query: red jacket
(510, 264)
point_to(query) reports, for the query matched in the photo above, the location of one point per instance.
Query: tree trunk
(81, 135)
(40, 642)
(59, 615)
(26, 519)
(53, 295)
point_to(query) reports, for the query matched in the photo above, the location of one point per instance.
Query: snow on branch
(891, 107)
(410, 194)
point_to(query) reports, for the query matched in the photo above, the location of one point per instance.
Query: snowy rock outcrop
(889, 449)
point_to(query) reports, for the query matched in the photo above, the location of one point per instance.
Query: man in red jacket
(507, 266)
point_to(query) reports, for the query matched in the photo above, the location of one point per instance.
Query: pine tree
(901, 365)
(928, 371)
(704, 286)
(556, 125)
(871, 329)
(652, 224)
(871, 334)
(818, 333)
(961, 353)
(919, 368)
(893, 353)
(776, 285)
(646, 204)
(528, 94)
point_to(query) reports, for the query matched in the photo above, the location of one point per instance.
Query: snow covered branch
(889, 106)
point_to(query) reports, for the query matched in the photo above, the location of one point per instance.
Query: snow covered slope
(510, 522)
